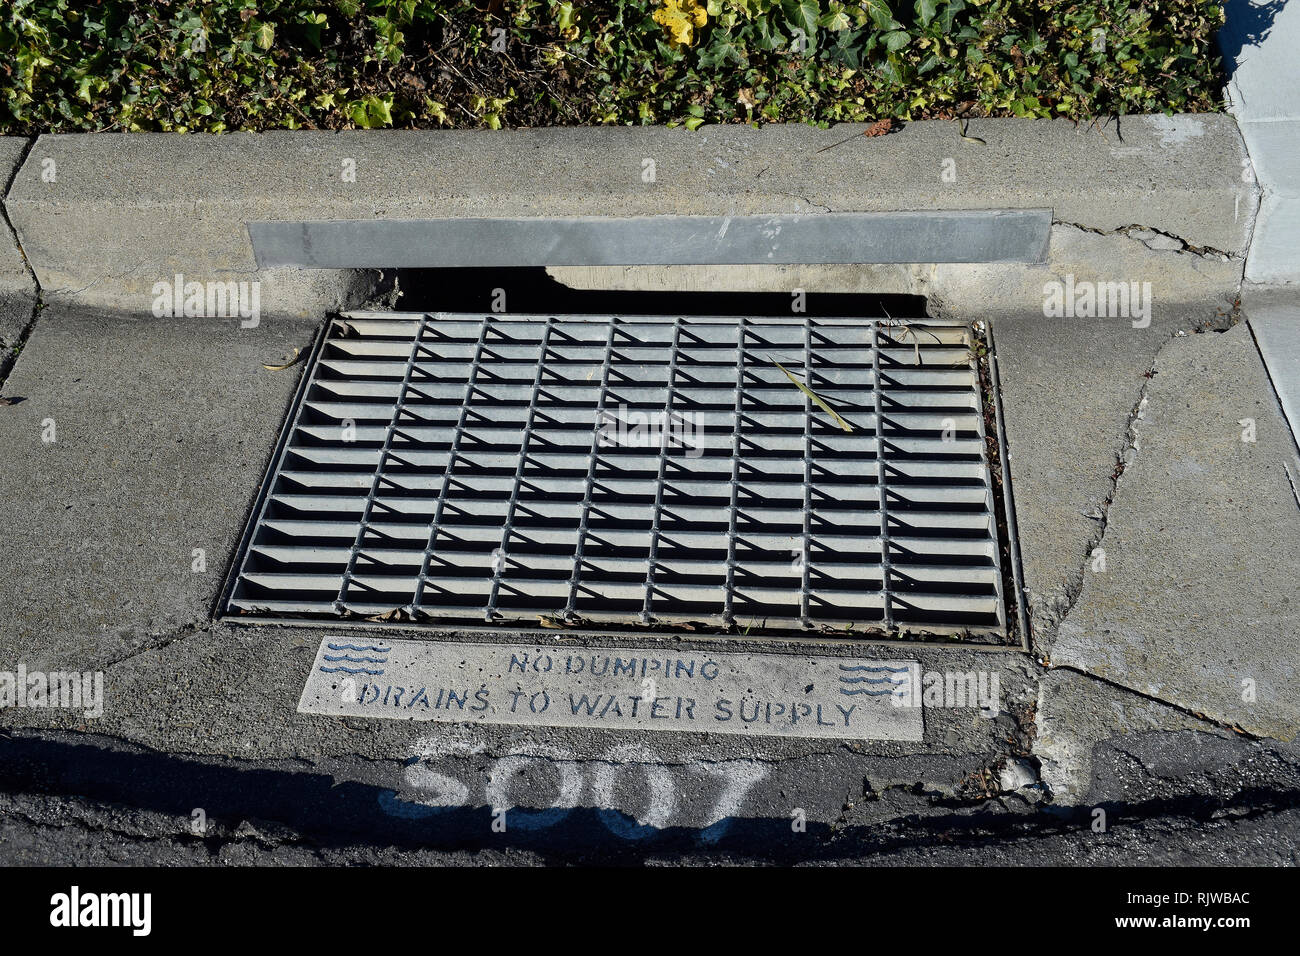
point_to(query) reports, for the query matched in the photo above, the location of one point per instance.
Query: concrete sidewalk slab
(1068, 388)
(1274, 316)
(1196, 603)
(138, 441)
(1275, 153)
(127, 211)
(1259, 41)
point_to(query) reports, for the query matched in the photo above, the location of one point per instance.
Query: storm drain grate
(633, 470)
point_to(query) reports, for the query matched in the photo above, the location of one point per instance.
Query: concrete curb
(17, 284)
(103, 217)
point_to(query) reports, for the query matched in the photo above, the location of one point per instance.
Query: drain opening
(634, 471)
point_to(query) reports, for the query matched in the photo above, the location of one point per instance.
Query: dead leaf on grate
(557, 622)
(815, 397)
(293, 360)
(394, 615)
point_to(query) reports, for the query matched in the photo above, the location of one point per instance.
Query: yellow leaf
(680, 18)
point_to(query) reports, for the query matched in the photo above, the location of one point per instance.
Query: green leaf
(849, 47)
(769, 38)
(312, 24)
(721, 52)
(880, 14)
(948, 15)
(896, 40)
(264, 35)
(836, 20)
(372, 111)
(803, 14)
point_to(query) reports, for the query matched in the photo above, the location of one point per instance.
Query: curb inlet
(765, 476)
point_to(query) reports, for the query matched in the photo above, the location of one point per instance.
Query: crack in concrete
(806, 201)
(1181, 708)
(1257, 195)
(1138, 233)
(1052, 611)
(13, 350)
(1062, 604)
(167, 641)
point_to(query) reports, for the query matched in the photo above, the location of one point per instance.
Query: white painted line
(624, 688)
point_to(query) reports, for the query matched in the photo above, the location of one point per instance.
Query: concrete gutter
(102, 218)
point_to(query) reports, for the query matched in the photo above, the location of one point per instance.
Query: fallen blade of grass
(293, 360)
(815, 397)
(965, 125)
(916, 343)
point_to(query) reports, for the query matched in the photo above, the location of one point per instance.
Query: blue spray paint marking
(360, 648)
(624, 825)
(894, 682)
(391, 803)
(855, 680)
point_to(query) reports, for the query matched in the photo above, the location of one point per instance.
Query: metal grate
(633, 470)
